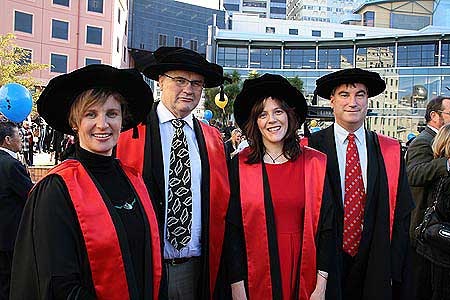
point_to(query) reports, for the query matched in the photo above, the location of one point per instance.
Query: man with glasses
(183, 164)
(423, 171)
(14, 188)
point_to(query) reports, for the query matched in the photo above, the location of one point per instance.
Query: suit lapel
(153, 172)
(329, 146)
(372, 167)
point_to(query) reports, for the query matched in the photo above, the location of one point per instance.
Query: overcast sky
(205, 3)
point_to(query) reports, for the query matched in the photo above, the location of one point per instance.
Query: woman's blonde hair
(92, 97)
(441, 143)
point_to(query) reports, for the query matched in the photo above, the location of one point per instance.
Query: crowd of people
(152, 203)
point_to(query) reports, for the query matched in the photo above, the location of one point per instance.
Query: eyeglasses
(183, 82)
(444, 112)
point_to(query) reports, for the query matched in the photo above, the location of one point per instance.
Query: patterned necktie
(179, 207)
(354, 199)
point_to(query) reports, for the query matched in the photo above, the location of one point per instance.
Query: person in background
(280, 218)
(88, 230)
(232, 144)
(14, 188)
(433, 276)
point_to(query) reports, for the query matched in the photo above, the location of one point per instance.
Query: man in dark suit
(190, 207)
(423, 171)
(371, 193)
(14, 188)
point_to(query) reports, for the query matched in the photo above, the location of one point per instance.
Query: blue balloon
(15, 102)
(208, 115)
(411, 136)
(205, 121)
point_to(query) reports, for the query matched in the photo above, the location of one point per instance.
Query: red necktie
(354, 199)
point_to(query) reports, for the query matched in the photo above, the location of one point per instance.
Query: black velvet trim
(275, 272)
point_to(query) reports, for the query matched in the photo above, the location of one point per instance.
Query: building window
(118, 15)
(162, 40)
(360, 34)
(126, 27)
(61, 2)
(338, 34)
(178, 42)
(316, 33)
(124, 54)
(117, 45)
(26, 56)
(60, 30)
(92, 61)
(375, 57)
(417, 55)
(265, 58)
(270, 29)
(299, 58)
(235, 57)
(95, 6)
(193, 45)
(59, 63)
(293, 31)
(23, 22)
(94, 35)
(369, 19)
(445, 55)
(335, 58)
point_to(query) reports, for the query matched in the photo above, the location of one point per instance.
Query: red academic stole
(255, 226)
(99, 233)
(390, 149)
(131, 153)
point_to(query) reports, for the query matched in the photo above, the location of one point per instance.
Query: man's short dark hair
(6, 129)
(435, 105)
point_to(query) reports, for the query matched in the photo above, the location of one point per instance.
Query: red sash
(390, 149)
(255, 226)
(99, 233)
(131, 153)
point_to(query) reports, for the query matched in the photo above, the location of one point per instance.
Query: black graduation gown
(234, 247)
(50, 259)
(153, 175)
(382, 269)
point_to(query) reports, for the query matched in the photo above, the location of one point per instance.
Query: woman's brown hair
(291, 143)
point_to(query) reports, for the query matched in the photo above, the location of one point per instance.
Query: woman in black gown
(89, 230)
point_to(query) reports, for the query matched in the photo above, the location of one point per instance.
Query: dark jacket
(14, 187)
(381, 269)
(423, 171)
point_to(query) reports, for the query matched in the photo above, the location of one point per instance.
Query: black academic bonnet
(176, 58)
(325, 84)
(268, 85)
(55, 101)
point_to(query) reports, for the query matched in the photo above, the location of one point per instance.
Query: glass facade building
(415, 67)
(155, 23)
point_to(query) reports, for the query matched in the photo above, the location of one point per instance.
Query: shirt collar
(341, 134)
(13, 154)
(164, 115)
(432, 128)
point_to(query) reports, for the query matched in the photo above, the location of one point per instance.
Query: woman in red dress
(280, 220)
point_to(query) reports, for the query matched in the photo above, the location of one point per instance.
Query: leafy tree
(15, 66)
(297, 82)
(253, 74)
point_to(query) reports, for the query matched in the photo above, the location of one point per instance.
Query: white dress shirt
(166, 131)
(13, 154)
(340, 138)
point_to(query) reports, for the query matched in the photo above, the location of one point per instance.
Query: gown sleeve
(50, 258)
(235, 256)
(326, 239)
